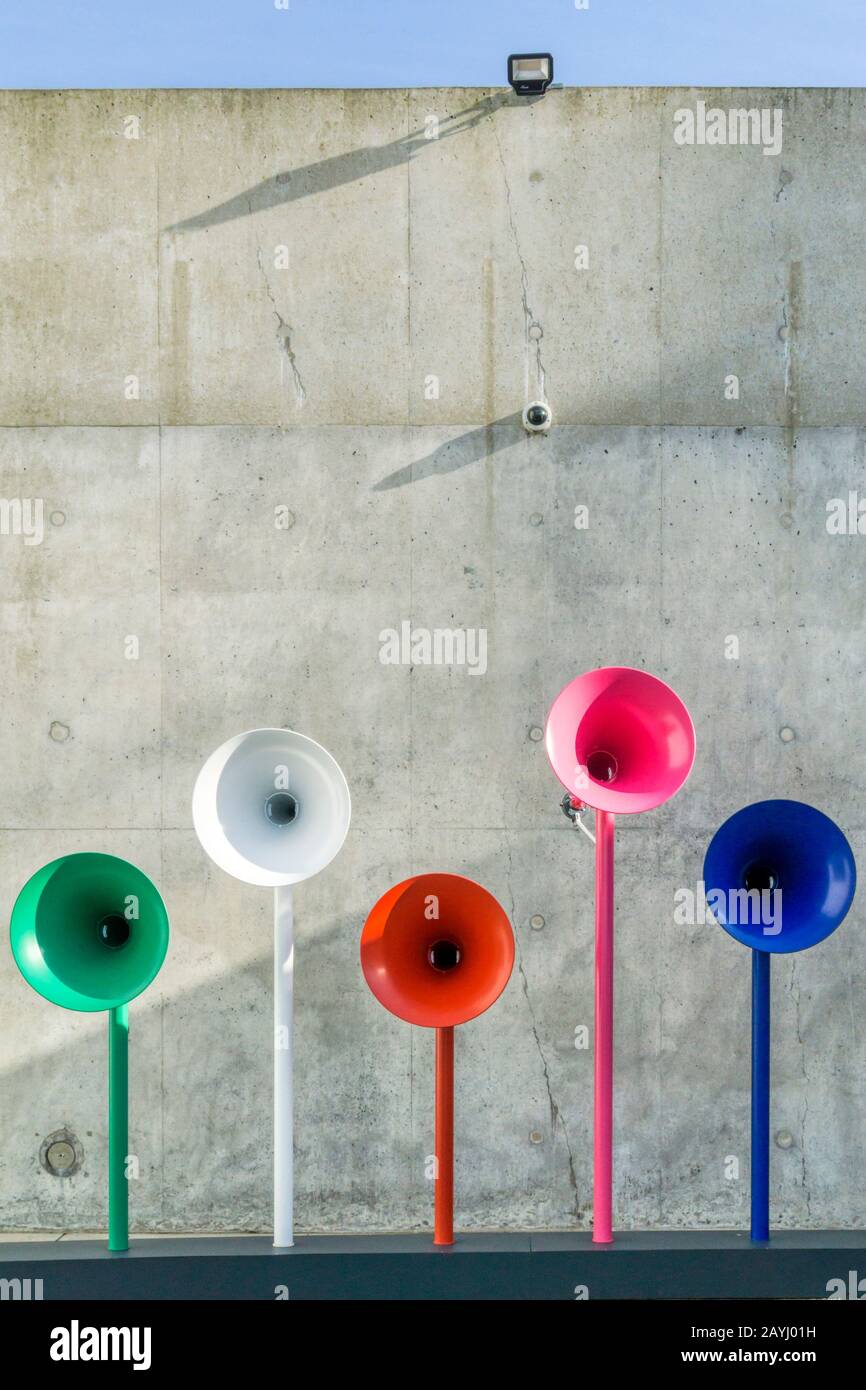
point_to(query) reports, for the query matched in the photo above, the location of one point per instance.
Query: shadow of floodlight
(293, 184)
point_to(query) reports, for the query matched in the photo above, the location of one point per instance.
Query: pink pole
(602, 1189)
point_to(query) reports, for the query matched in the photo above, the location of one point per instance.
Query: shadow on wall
(467, 448)
(201, 1119)
(294, 184)
(200, 1122)
(68, 1088)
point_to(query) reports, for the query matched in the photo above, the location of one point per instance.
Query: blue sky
(395, 43)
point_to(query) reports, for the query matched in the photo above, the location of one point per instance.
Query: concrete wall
(166, 385)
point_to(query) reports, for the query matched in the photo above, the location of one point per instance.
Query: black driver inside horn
(281, 808)
(602, 766)
(760, 877)
(114, 931)
(444, 955)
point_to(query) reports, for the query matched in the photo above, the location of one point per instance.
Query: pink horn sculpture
(620, 741)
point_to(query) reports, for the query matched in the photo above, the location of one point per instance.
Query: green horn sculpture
(90, 932)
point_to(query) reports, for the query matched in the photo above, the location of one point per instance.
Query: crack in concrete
(533, 330)
(791, 299)
(556, 1116)
(787, 332)
(784, 331)
(284, 337)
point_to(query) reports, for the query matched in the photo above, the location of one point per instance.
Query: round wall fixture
(61, 1153)
(537, 417)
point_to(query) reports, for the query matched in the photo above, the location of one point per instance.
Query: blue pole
(760, 1095)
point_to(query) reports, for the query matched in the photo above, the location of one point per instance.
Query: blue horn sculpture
(779, 877)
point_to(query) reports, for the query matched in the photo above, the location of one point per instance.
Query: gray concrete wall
(166, 385)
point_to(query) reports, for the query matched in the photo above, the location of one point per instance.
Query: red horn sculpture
(437, 950)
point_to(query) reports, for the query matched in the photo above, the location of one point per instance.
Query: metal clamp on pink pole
(620, 741)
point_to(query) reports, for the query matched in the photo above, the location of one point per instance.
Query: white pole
(284, 964)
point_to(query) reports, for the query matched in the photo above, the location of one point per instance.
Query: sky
(429, 43)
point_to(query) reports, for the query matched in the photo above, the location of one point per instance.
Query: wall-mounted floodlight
(530, 74)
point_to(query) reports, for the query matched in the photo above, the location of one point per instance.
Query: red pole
(443, 1226)
(602, 1186)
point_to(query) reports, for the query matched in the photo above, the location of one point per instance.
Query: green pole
(118, 1127)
